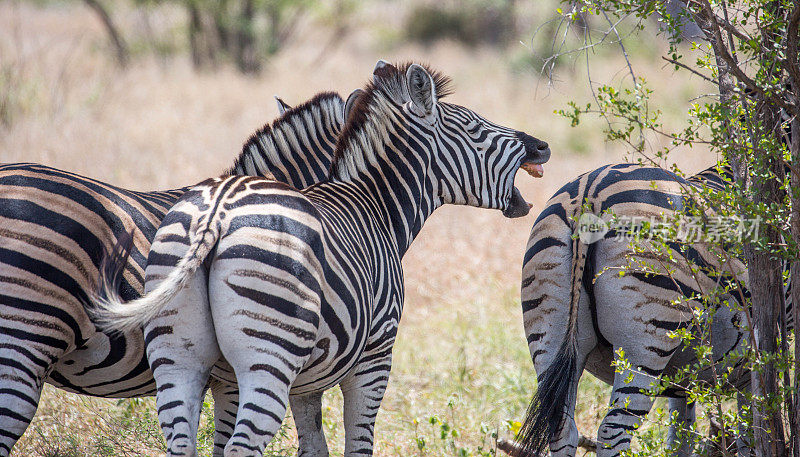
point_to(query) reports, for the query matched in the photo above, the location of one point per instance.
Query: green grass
(461, 377)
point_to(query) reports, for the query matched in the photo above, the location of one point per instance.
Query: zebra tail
(111, 313)
(543, 420)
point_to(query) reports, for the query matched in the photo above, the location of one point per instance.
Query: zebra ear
(421, 89)
(351, 101)
(283, 107)
(382, 69)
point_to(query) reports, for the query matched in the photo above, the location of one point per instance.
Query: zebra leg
(266, 362)
(226, 401)
(363, 391)
(565, 442)
(682, 417)
(628, 407)
(182, 349)
(21, 380)
(262, 406)
(307, 411)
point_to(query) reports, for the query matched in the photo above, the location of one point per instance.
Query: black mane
(252, 143)
(390, 81)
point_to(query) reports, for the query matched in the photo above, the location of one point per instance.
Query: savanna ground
(461, 373)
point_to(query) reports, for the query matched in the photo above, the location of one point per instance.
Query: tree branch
(512, 448)
(686, 67)
(711, 24)
(116, 38)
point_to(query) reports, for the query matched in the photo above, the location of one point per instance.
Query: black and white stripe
(55, 227)
(578, 310)
(303, 290)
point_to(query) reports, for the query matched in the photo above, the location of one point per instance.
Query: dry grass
(461, 354)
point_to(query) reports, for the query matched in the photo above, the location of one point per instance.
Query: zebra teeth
(534, 169)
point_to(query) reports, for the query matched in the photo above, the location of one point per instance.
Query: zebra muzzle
(537, 152)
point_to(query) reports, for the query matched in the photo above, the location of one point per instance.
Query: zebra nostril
(532, 144)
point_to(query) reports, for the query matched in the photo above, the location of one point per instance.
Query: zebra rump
(111, 313)
(543, 420)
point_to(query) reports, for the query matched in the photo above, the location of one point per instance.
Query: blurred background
(157, 94)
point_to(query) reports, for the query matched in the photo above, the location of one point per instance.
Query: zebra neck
(392, 171)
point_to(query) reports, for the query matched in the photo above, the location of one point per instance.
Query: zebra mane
(388, 85)
(272, 149)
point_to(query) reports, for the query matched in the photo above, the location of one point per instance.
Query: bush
(470, 23)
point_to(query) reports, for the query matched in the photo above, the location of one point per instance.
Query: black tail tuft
(113, 265)
(543, 419)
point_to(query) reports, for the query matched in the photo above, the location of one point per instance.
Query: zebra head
(491, 154)
(472, 161)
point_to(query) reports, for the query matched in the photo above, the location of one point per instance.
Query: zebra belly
(328, 363)
(95, 368)
(599, 363)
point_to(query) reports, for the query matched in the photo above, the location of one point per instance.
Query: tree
(120, 47)
(749, 50)
(244, 31)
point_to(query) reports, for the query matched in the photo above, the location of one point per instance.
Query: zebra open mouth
(532, 164)
(537, 152)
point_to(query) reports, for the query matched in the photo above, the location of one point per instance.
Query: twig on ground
(512, 448)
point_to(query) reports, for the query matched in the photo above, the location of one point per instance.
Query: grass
(461, 372)
(461, 377)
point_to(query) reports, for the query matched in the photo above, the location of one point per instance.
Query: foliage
(749, 51)
(443, 433)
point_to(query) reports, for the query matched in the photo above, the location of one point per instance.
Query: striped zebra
(574, 301)
(303, 290)
(54, 228)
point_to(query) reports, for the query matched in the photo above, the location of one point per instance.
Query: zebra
(303, 290)
(54, 227)
(572, 300)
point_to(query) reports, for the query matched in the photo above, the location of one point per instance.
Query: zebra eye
(473, 128)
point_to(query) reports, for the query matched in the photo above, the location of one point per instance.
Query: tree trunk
(202, 37)
(765, 274)
(766, 288)
(116, 39)
(195, 30)
(247, 55)
(222, 25)
(794, 147)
